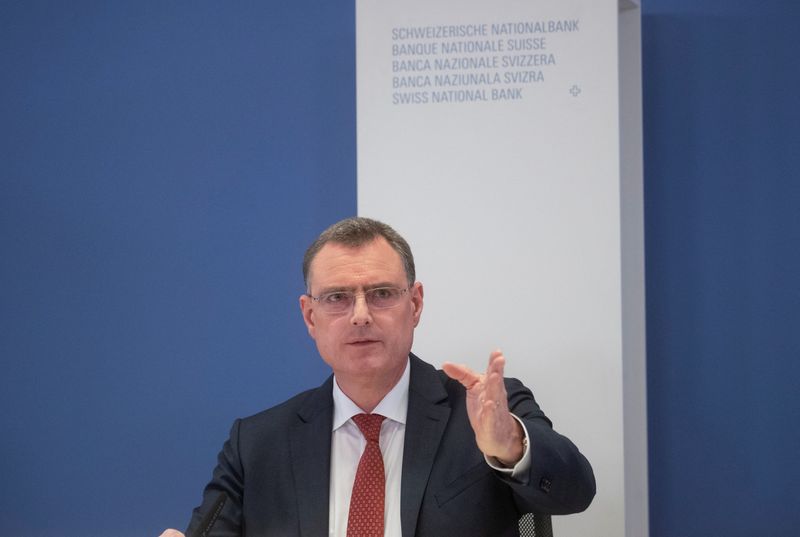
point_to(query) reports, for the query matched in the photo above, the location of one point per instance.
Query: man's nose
(361, 314)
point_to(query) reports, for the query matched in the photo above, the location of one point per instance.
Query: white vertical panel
(513, 205)
(633, 305)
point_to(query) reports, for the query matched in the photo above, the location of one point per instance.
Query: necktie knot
(370, 425)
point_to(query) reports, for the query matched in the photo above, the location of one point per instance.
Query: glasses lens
(336, 302)
(383, 297)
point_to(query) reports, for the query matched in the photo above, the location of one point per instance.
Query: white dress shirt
(347, 445)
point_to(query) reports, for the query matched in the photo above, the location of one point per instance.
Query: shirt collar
(393, 406)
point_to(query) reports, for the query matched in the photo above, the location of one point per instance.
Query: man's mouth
(362, 342)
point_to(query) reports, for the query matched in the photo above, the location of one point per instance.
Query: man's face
(363, 344)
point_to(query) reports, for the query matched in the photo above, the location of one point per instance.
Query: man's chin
(367, 358)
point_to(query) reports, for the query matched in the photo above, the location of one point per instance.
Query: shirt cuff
(520, 470)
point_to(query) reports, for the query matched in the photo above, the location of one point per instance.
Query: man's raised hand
(497, 433)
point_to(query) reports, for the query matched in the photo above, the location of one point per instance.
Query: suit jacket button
(545, 484)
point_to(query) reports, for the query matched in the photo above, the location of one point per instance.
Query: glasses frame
(353, 295)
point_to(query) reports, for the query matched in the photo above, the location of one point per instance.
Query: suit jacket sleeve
(227, 479)
(448, 487)
(560, 479)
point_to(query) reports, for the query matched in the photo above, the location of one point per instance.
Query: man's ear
(417, 294)
(307, 309)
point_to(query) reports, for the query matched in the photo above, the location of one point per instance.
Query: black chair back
(535, 525)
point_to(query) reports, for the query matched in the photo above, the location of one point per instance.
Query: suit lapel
(428, 412)
(310, 441)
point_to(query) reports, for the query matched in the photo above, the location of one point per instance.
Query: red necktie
(369, 488)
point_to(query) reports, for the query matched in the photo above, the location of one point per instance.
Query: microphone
(207, 522)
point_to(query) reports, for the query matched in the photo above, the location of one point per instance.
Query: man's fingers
(469, 378)
(463, 374)
(497, 362)
(495, 389)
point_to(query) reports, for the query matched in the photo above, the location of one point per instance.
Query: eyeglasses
(379, 298)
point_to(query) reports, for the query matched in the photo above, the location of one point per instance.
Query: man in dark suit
(461, 453)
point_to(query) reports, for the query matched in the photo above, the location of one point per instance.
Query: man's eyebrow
(335, 289)
(379, 285)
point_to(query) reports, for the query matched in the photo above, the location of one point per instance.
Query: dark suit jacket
(275, 468)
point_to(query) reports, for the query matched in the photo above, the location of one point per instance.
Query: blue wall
(163, 165)
(722, 205)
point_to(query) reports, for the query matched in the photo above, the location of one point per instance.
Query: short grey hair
(358, 231)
